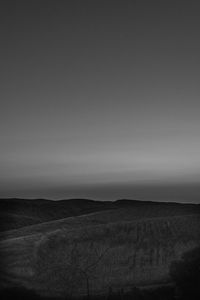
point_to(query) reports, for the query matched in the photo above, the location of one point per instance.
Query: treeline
(89, 261)
(184, 272)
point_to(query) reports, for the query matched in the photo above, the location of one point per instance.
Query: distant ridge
(150, 202)
(16, 212)
(79, 200)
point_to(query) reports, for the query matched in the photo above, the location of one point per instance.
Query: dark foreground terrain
(80, 249)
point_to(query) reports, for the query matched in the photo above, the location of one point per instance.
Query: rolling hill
(119, 244)
(17, 213)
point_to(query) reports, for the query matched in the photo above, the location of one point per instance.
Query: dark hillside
(172, 207)
(17, 213)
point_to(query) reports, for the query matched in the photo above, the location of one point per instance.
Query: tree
(186, 274)
(68, 265)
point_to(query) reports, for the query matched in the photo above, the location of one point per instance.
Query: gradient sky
(100, 99)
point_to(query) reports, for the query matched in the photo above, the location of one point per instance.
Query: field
(118, 248)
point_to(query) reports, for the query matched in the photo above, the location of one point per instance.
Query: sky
(100, 99)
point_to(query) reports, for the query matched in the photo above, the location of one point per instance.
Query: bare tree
(88, 266)
(69, 265)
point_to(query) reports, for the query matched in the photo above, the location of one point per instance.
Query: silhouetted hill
(16, 213)
(130, 202)
(133, 239)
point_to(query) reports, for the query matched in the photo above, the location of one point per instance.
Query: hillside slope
(130, 250)
(17, 213)
(23, 212)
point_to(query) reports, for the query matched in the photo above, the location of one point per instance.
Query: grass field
(119, 248)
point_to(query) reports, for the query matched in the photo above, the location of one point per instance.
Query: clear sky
(100, 99)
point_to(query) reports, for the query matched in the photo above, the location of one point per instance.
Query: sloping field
(16, 213)
(12, 220)
(103, 217)
(97, 251)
